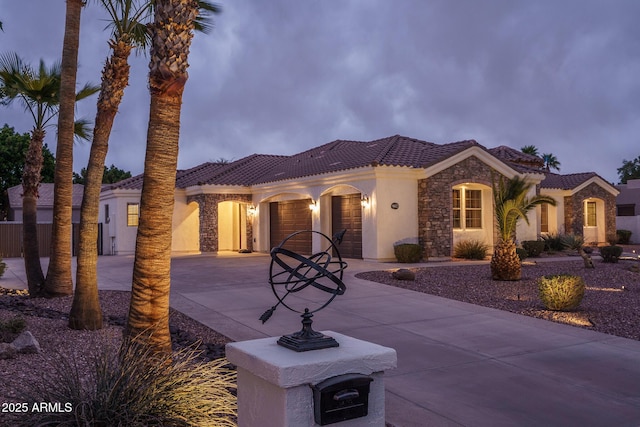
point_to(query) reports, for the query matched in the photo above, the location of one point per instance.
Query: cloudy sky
(282, 76)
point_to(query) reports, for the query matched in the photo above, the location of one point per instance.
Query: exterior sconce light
(364, 201)
(251, 210)
(313, 206)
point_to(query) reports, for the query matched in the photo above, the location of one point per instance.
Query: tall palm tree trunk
(59, 277)
(30, 184)
(85, 310)
(172, 32)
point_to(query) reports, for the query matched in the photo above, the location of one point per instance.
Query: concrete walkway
(458, 364)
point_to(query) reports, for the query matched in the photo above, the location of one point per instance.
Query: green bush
(470, 249)
(522, 254)
(562, 292)
(624, 236)
(610, 253)
(134, 387)
(3, 267)
(408, 252)
(533, 247)
(10, 329)
(553, 242)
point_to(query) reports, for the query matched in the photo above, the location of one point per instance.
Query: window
(544, 218)
(626, 210)
(590, 214)
(133, 214)
(467, 208)
(106, 214)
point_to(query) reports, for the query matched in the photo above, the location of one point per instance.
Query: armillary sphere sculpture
(291, 273)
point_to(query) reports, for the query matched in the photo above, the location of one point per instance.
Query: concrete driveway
(458, 364)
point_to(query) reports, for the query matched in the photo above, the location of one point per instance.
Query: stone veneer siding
(208, 204)
(435, 232)
(574, 210)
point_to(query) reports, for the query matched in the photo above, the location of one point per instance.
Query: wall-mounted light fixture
(251, 210)
(313, 206)
(364, 200)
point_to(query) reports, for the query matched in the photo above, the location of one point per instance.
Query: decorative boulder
(26, 343)
(403, 274)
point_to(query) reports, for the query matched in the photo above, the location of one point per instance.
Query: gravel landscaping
(611, 303)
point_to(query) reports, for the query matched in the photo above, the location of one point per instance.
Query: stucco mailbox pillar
(276, 384)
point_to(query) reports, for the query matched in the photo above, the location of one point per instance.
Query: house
(387, 191)
(628, 208)
(44, 203)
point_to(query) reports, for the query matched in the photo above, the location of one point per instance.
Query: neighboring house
(628, 205)
(44, 203)
(384, 192)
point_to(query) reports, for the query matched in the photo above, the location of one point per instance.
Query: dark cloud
(282, 76)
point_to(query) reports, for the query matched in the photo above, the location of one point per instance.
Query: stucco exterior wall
(118, 238)
(186, 221)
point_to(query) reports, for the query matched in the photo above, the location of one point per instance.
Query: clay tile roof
(342, 155)
(512, 155)
(245, 171)
(438, 153)
(45, 193)
(566, 182)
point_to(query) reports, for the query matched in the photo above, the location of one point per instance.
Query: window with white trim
(467, 208)
(544, 218)
(590, 219)
(133, 214)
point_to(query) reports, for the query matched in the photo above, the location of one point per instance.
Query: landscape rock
(7, 351)
(403, 274)
(26, 343)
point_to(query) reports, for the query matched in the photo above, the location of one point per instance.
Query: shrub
(553, 242)
(624, 236)
(10, 329)
(533, 247)
(610, 253)
(3, 267)
(471, 249)
(572, 241)
(135, 387)
(522, 253)
(408, 252)
(562, 292)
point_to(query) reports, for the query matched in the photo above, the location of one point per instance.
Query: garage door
(287, 218)
(346, 213)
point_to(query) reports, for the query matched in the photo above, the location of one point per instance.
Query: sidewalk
(458, 364)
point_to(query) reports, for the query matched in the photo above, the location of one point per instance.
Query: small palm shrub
(470, 249)
(533, 247)
(561, 292)
(134, 387)
(10, 329)
(624, 236)
(408, 252)
(3, 267)
(610, 253)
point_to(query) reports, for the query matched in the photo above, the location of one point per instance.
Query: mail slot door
(341, 398)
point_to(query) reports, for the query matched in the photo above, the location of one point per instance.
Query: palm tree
(550, 162)
(128, 23)
(59, 278)
(530, 149)
(37, 90)
(510, 205)
(128, 31)
(171, 34)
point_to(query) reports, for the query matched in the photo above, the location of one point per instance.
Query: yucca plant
(510, 203)
(134, 386)
(576, 243)
(561, 292)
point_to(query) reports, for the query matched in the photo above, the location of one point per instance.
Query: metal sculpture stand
(307, 272)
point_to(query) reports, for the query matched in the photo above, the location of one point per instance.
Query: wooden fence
(11, 239)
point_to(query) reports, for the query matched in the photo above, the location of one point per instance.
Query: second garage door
(287, 218)
(346, 213)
